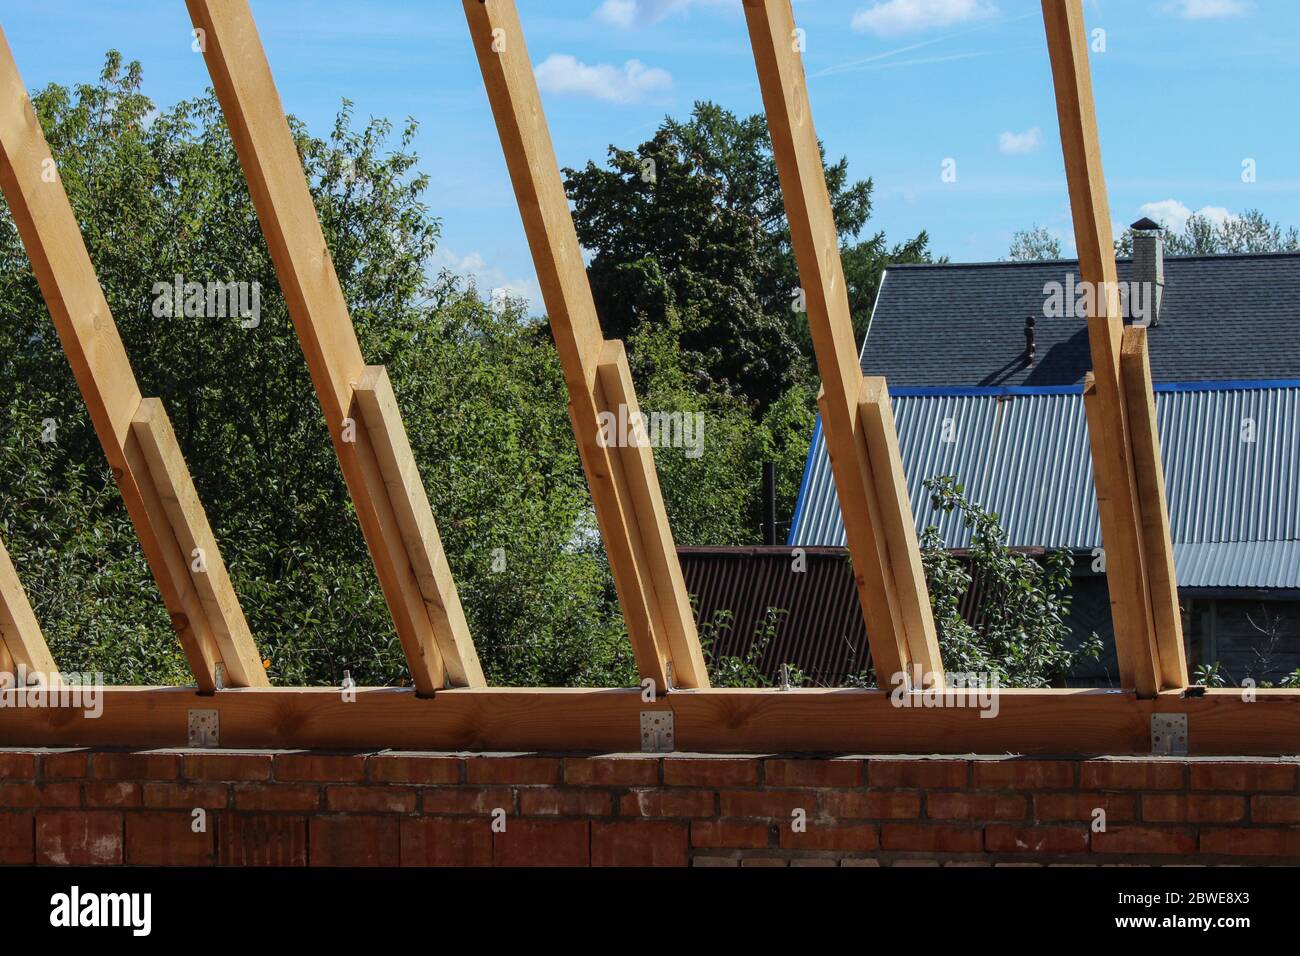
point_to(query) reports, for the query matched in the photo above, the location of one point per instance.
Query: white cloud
(1173, 214)
(1208, 9)
(633, 81)
(1014, 144)
(491, 281)
(891, 17)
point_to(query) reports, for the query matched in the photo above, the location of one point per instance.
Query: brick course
(112, 807)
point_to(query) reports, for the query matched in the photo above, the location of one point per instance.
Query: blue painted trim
(1228, 385)
(803, 482)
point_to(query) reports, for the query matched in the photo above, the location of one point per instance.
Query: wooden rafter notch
(360, 409)
(856, 415)
(204, 609)
(621, 477)
(22, 645)
(1118, 395)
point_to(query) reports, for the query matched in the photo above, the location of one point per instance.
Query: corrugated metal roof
(1026, 457)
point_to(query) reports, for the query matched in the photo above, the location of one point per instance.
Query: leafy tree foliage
(1019, 634)
(692, 223)
(1249, 232)
(160, 194)
(1029, 245)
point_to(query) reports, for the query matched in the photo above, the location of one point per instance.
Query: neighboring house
(951, 340)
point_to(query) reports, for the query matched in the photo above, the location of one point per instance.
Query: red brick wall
(114, 807)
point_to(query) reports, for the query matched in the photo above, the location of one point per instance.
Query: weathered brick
(227, 766)
(1243, 776)
(668, 803)
(277, 796)
(730, 834)
(261, 839)
(141, 765)
(113, 793)
(1194, 808)
(1131, 775)
(976, 806)
(769, 804)
(557, 802)
(17, 765)
(871, 804)
(1268, 809)
(17, 839)
(415, 768)
(1005, 838)
(167, 838)
(931, 838)
(924, 774)
(354, 839)
(1024, 774)
(446, 801)
(446, 841)
(1119, 807)
(538, 842)
(64, 764)
(710, 772)
(186, 796)
(78, 837)
(370, 799)
(1153, 840)
(334, 768)
(843, 836)
(513, 770)
(612, 771)
(812, 773)
(21, 793)
(638, 843)
(1250, 841)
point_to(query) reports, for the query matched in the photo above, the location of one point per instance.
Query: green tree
(1029, 245)
(161, 194)
(692, 222)
(1201, 236)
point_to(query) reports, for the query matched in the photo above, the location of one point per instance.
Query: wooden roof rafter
(134, 432)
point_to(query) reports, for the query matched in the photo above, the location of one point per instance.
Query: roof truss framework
(400, 530)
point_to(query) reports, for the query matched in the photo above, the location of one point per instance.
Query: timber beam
(204, 609)
(21, 642)
(705, 721)
(620, 475)
(360, 410)
(1118, 397)
(856, 415)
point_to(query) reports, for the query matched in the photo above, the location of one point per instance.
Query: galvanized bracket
(204, 728)
(1169, 733)
(657, 732)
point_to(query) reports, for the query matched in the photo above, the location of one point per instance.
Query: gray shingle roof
(1223, 318)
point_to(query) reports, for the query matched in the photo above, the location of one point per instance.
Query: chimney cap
(1146, 225)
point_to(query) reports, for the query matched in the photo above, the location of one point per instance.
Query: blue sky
(1187, 90)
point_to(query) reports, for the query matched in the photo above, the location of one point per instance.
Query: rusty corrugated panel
(822, 632)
